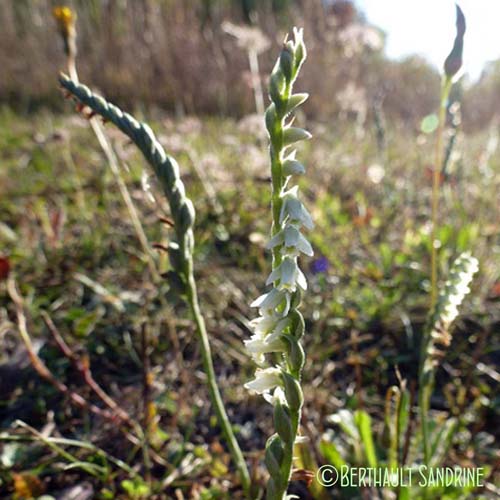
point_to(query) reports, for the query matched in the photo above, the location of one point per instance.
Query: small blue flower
(320, 265)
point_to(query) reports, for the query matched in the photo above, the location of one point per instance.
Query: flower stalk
(280, 325)
(452, 66)
(437, 334)
(443, 309)
(181, 250)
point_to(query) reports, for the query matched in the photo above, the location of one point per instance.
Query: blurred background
(192, 56)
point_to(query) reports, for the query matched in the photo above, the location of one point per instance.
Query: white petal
(292, 235)
(288, 269)
(301, 279)
(295, 209)
(274, 276)
(301, 439)
(276, 240)
(304, 246)
(294, 238)
(265, 380)
(277, 395)
(264, 324)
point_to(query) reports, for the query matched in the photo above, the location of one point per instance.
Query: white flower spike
(280, 324)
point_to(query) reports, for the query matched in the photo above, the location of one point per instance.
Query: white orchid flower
(288, 275)
(265, 380)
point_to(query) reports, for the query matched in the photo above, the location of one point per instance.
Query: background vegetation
(66, 236)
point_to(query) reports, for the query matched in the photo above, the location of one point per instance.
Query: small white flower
(293, 240)
(294, 209)
(278, 396)
(289, 275)
(298, 34)
(375, 173)
(270, 302)
(265, 380)
(291, 166)
(301, 439)
(264, 324)
(257, 346)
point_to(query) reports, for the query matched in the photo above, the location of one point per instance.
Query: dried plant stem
(64, 442)
(112, 160)
(40, 366)
(83, 368)
(436, 182)
(115, 412)
(253, 61)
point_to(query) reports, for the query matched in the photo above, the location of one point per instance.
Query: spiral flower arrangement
(278, 329)
(165, 167)
(437, 332)
(180, 251)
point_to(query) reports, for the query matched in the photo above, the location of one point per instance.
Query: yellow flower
(65, 18)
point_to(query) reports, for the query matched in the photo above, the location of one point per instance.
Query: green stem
(278, 181)
(436, 181)
(215, 396)
(423, 404)
(425, 385)
(286, 466)
(276, 151)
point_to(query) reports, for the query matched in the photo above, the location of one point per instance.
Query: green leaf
(429, 124)
(344, 419)
(136, 488)
(363, 422)
(331, 454)
(442, 441)
(403, 415)
(85, 325)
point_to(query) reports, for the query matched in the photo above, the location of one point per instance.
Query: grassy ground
(65, 231)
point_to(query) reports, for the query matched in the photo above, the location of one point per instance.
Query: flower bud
(453, 62)
(189, 243)
(286, 62)
(296, 299)
(300, 49)
(276, 86)
(166, 174)
(186, 215)
(177, 197)
(293, 167)
(296, 100)
(271, 120)
(295, 134)
(148, 138)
